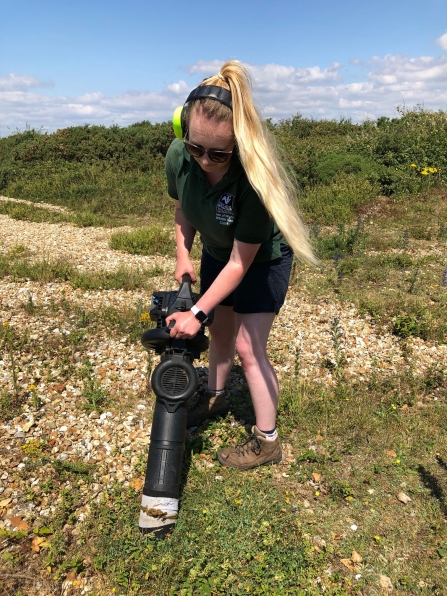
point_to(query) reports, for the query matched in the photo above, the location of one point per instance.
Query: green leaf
(44, 531)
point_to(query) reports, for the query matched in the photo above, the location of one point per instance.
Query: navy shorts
(263, 288)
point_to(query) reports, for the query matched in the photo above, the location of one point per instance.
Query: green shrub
(409, 326)
(114, 172)
(336, 202)
(98, 189)
(119, 172)
(418, 137)
(134, 147)
(86, 219)
(341, 243)
(393, 261)
(125, 278)
(22, 211)
(345, 163)
(145, 241)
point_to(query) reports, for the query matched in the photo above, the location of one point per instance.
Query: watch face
(201, 316)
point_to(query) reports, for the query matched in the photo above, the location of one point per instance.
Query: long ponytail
(259, 155)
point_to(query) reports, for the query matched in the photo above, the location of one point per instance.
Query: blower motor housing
(174, 378)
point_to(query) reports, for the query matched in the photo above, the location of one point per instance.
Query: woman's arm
(184, 235)
(229, 278)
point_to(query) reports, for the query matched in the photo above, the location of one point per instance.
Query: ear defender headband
(202, 92)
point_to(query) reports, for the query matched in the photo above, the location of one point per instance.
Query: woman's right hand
(184, 266)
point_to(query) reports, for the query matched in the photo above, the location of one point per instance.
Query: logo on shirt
(224, 209)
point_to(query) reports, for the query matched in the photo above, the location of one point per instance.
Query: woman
(228, 184)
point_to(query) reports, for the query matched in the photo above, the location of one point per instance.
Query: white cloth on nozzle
(150, 506)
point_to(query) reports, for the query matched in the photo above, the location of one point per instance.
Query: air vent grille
(174, 381)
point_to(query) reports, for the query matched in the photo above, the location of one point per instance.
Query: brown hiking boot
(256, 451)
(207, 406)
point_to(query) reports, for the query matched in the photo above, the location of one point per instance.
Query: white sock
(270, 436)
(215, 392)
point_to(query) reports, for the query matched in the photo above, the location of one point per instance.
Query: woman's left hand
(186, 325)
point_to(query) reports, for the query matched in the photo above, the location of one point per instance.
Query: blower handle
(186, 280)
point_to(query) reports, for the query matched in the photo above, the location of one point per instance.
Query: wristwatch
(199, 314)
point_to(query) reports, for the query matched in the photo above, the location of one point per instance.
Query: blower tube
(174, 381)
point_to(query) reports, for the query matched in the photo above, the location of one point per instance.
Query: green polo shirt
(222, 213)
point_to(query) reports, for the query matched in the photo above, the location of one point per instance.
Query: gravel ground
(115, 440)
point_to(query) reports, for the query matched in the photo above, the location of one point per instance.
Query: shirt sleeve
(253, 222)
(171, 160)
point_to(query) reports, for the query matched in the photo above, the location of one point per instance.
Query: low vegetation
(358, 506)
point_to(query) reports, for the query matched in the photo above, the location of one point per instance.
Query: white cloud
(180, 89)
(18, 82)
(206, 67)
(442, 41)
(280, 91)
(400, 69)
(274, 73)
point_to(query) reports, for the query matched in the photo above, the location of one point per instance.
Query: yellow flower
(424, 172)
(317, 493)
(377, 538)
(413, 165)
(32, 388)
(397, 461)
(6, 324)
(145, 317)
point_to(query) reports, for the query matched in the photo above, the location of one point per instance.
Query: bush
(410, 326)
(25, 212)
(346, 163)
(145, 241)
(418, 137)
(119, 172)
(336, 202)
(341, 243)
(98, 189)
(132, 148)
(114, 172)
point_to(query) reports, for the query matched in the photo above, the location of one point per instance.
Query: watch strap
(199, 314)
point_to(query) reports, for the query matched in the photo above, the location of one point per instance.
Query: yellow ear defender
(204, 91)
(177, 122)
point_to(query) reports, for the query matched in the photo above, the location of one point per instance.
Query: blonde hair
(258, 154)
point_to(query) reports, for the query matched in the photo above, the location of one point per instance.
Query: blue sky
(105, 62)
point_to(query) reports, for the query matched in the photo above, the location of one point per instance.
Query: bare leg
(221, 354)
(251, 341)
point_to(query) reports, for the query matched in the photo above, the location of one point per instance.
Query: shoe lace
(251, 444)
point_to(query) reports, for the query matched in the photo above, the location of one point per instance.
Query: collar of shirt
(234, 172)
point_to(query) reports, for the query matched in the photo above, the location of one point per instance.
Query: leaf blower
(174, 381)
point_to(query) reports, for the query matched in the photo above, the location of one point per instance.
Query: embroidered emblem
(224, 209)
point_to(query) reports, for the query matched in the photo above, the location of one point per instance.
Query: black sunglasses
(214, 154)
